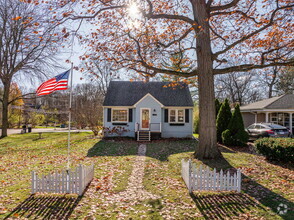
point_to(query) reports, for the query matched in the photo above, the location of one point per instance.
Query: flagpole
(69, 118)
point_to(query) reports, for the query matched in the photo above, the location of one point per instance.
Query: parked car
(259, 130)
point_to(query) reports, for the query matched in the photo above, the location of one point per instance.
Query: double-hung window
(119, 115)
(176, 116)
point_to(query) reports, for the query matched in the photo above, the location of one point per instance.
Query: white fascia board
(118, 106)
(178, 107)
(267, 110)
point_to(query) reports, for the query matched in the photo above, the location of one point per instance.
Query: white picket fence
(66, 181)
(202, 178)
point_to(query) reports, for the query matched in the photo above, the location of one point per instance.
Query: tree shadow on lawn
(159, 150)
(113, 148)
(223, 206)
(250, 187)
(46, 207)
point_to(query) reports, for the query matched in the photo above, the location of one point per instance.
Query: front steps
(143, 136)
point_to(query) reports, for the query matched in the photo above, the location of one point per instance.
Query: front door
(145, 118)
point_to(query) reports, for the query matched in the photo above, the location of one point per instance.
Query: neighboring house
(278, 110)
(148, 110)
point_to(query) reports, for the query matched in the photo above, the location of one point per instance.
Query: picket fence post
(238, 180)
(190, 176)
(81, 179)
(33, 182)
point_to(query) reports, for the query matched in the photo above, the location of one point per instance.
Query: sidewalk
(37, 130)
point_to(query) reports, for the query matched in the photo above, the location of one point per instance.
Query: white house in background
(278, 110)
(148, 110)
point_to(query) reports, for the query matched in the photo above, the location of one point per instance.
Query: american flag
(59, 82)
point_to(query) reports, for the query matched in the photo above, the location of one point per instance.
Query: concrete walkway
(133, 195)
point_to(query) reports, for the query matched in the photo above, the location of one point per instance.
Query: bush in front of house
(223, 119)
(281, 149)
(235, 135)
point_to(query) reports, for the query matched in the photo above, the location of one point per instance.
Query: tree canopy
(212, 36)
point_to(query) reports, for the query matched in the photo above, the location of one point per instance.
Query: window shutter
(187, 115)
(109, 115)
(165, 115)
(130, 115)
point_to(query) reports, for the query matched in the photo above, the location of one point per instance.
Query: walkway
(133, 195)
(135, 191)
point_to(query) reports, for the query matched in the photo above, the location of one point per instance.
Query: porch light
(154, 110)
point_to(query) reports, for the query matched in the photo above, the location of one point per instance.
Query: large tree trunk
(207, 148)
(5, 109)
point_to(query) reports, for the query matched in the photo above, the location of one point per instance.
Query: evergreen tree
(217, 106)
(223, 119)
(235, 134)
(285, 85)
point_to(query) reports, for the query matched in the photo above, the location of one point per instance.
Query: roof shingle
(126, 93)
(280, 102)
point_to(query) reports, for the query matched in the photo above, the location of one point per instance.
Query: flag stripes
(59, 82)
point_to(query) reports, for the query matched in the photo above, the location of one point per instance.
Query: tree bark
(5, 109)
(272, 83)
(207, 148)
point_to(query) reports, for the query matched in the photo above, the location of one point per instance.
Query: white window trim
(120, 121)
(176, 109)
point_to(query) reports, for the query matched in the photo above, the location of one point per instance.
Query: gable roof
(148, 94)
(126, 93)
(280, 102)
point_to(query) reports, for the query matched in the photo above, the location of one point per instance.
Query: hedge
(281, 149)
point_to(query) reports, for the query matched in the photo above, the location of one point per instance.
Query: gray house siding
(130, 125)
(183, 131)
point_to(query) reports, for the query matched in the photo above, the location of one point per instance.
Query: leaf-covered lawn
(20, 154)
(264, 185)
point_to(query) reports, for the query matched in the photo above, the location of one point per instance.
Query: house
(148, 110)
(278, 110)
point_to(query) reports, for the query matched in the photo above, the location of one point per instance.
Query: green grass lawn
(196, 135)
(264, 185)
(20, 154)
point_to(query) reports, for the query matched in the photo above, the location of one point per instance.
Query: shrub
(223, 119)
(227, 138)
(281, 149)
(239, 136)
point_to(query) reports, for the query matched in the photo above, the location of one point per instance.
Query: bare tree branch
(247, 67)
(246, 37)
(224, 7)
